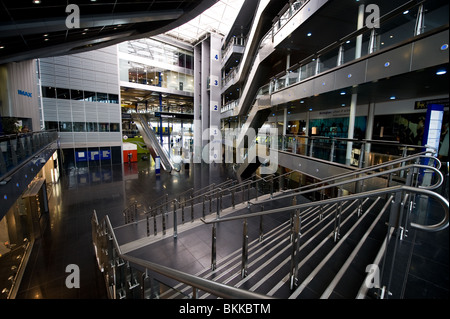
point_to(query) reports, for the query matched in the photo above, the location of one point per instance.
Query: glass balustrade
(16, 149)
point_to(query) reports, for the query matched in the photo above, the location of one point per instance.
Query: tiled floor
(108, 190)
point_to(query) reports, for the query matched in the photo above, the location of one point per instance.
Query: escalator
(168, 163)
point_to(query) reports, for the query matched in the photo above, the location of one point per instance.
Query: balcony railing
(18, 148)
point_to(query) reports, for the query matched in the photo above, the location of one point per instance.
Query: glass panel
(63, 93)
(65, 126)
(89, 96)
(76, 95)
(48, 91)
(92, 127)
(79, 127)
(102, 97)
(103, 127)
(115, 127)
(113, 98)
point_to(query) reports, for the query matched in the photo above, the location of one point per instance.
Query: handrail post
(244, 264)
(192, 209)
(155, 230)
(175, 222)
(213, 247)
(218, 203)
(337, 217)
(203, 206)
(233, 191)
(271, 186)
(295, 247)
(261, 230)
(333, 145)
(163, 216)
(182, 211)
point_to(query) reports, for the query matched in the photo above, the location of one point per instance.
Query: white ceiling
(218, 19)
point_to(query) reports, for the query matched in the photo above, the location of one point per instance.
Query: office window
(65, 126)
(76, 95)
(113, 98)
(63, 93)
(92, 127)
(114, 127)
(103, 127)
(89, 96)
(51, 125)
(48, 91)
(102, 97)
(79, 127)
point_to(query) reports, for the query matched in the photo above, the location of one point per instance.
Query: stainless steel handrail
(436, 227)
(217, 289)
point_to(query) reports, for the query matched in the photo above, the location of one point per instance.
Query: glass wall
(167, 66)
(135, 72)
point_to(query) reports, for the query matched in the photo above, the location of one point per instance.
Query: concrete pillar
(215, 100)
(197, 125)
(205, 71)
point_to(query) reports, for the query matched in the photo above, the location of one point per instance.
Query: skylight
(218, 19)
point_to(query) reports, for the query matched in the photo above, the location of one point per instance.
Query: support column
(205, 71)
(370, 121)
(214, 102)
(197, 155)
(351, 124)
(351, 127)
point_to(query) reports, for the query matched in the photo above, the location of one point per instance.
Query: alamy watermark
(240, 146)
(73, 279)
(73, 19)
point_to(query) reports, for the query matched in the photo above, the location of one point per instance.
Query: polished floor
(423, 264)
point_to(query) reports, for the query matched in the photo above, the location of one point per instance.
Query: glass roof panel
(219, 19)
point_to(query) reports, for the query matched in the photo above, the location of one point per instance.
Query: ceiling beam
(55, 25)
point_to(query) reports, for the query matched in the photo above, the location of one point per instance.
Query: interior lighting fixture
(441, 72)
(392, 98)
(309, 34)
(36, 1)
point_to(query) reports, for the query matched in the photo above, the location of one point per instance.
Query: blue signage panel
(81, 156)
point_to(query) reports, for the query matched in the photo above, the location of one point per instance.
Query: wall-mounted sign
(166, 115)
(423, 105)
(24, 93)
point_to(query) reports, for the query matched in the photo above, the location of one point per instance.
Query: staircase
(279, 244)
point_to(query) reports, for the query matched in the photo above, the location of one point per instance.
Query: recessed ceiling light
(1, 47)
(309, 34)
(406, 12)
(441, 72)
(392, 98)
(36, 1)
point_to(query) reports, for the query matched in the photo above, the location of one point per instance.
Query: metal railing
(16, 149)
(127, 275)
(401, 197)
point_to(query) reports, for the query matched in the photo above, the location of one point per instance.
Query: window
(65, 126)
(113, 98)
(92, 127)
(102, 97)
(79, 127)
(103, 127)
(76, 95)
(89, 96)
(63, 93)
(115, 127)
(51, 125)
(48, 91)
